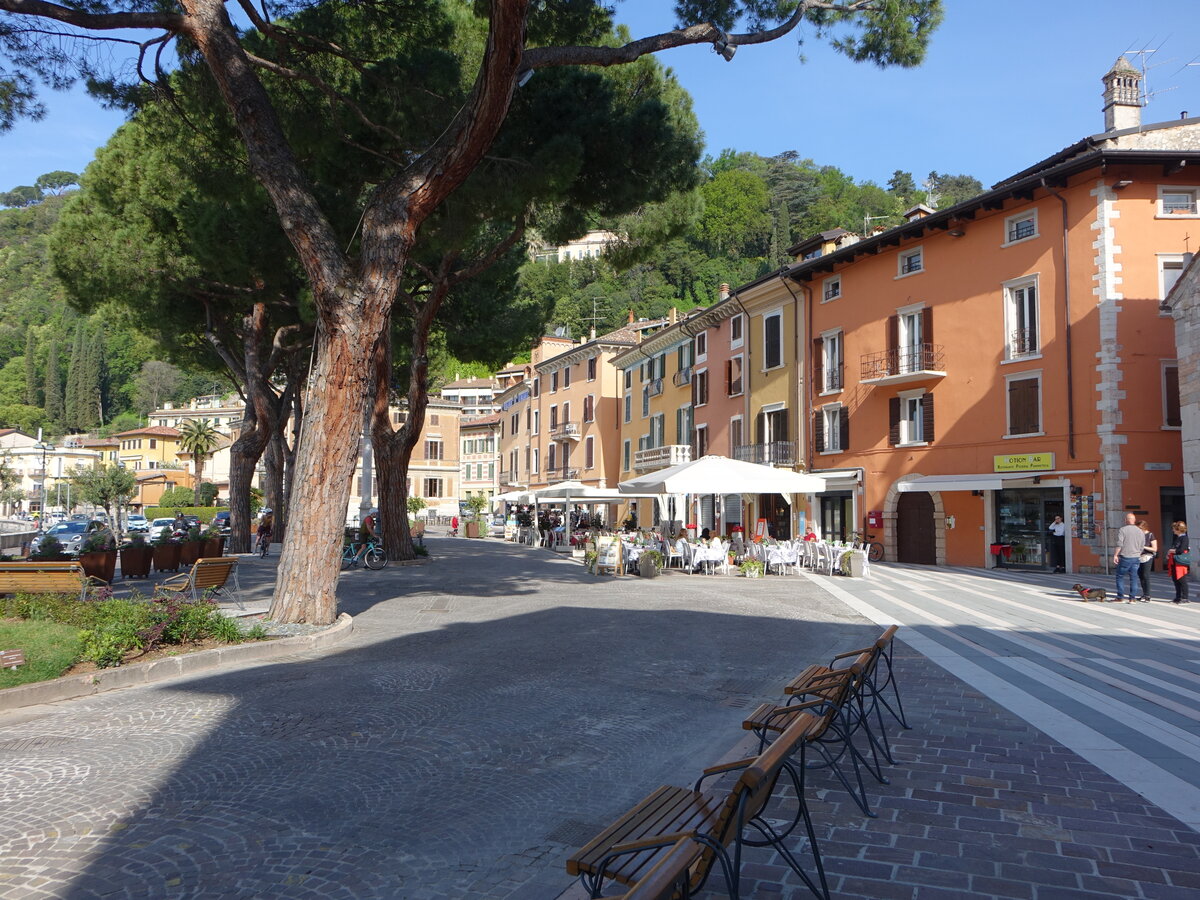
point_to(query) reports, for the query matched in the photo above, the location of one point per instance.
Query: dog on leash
(1091, 593)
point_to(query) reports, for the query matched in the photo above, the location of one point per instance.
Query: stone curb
(74, 686)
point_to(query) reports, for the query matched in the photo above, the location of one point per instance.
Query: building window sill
(1172, 428)
(1020, 359)
(1023, 240)
(830, 452)
(913, 444)
(830, 392)
(908, 274)
(1032, 434)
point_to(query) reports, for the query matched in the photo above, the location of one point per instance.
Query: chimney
(723, 293)
(592, 333)
(631, 315)
(673, 316)
(1122, 96)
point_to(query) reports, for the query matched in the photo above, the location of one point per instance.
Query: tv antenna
(595, 316)
(1146, 68)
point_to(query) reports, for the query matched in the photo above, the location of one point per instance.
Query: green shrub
(108, 645)
(204, 513)
(420, 550)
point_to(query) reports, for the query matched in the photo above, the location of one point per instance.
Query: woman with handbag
(1179, 559)
(1146, 560)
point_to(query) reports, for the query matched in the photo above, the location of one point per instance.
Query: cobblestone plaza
(496, 707)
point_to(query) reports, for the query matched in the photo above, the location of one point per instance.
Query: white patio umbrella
(721, 475)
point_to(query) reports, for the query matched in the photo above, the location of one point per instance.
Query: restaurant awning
(721, 475)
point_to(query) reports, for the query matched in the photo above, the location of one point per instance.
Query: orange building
(980, 369)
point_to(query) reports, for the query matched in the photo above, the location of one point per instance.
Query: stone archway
(891, 506)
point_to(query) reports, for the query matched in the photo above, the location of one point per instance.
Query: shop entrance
(1023, 517)
(778, 514)
(837, 515)
(915, 538)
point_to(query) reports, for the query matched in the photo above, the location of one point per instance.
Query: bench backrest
(212, 572)
(44, 577)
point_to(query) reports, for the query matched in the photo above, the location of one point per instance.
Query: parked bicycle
(370, 553)
(867, 542)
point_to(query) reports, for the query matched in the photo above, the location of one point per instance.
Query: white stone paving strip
(1170, 686)
(1172, 794)
(1123, 684)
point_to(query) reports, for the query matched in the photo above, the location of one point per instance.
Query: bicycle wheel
(875, 551)
(375, 558)
(263, 545)
(347, 556)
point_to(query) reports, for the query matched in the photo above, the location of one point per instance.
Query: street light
(45, 448)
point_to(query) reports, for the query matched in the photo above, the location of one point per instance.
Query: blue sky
(1004, 85)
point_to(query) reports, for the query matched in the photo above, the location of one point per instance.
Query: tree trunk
(305, 590)
(243, 456)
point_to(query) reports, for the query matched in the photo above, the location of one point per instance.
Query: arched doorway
(916, 536)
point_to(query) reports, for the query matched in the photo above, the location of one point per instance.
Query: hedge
(204, 513)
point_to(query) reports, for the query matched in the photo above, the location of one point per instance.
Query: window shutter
(1023, 406)
(843, 429)
(893, 421)
(819, 431)
(1171, 396)
(783, 426)
(729, 378)
(927, 325)
(927, 417)
(818, 368)
(893, 345)
(760, 428)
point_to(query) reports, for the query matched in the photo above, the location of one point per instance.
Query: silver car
(69, 534)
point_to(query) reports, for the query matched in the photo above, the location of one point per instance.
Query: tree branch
(172, 22)
(490, 257)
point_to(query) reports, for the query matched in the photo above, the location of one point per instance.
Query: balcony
(772, 453)
(835, 378)
(919, 362)
(566, 431)
(655, 387)
(682, 377)
(1023, 342)
(661, 457)
(509, 479)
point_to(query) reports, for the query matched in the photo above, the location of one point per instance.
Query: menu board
(608, 552)
(760, 530)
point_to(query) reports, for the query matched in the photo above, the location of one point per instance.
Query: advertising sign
(1023, 462)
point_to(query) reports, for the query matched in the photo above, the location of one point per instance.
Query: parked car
(70, 535)
(496, 526)
(159, 527)
(137, 522)
(221, 521)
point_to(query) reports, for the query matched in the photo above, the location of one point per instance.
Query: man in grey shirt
(1130, 543)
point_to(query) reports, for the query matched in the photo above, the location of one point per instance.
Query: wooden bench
(12, 659)
(633, 847)
(209, 573)
(43, 578)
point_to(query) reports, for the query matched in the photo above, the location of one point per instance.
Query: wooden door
(915, 538)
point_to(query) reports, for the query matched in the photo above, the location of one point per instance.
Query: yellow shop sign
(1023, 462)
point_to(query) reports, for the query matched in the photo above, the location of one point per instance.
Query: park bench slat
(36, 577)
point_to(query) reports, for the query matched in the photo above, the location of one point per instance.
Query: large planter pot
(166, 557)
(135, 561)
(101, 564)
(472, 529)
(212, 547)
(189, 552)
(647, 568)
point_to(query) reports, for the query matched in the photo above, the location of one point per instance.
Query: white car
(160, 528)
(496, 526)
(137, 522)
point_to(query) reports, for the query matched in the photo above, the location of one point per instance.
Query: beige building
(479, 456)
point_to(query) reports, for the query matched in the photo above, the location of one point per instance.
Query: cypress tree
(31, 379)
(53, 388)
(91, 382)
(72, 413)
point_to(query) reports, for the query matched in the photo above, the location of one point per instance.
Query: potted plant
(98, 555)
(192, 547)
(589, 560)
(49, 549)
(136, 557)
(752, 568)
(167, 553)
(649, 563)
(212, 540)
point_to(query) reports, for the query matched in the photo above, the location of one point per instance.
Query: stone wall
(1185, 302)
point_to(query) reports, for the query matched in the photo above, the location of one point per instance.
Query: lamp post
(45, 448)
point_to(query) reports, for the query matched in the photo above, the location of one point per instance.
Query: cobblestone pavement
(491, 711)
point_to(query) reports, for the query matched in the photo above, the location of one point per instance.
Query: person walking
(1058, 544)
(1146, 560)
(266, 526)
(1127, 557)
(1179, 560)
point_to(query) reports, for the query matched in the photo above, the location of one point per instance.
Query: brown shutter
(893, 344)
(760, 428)
(927, 325)
(818, 364)
(784, 431)
(893, 421)
(729, 378)
(818, 431)
(927, 416)
(844, 428)
(1022, 406)
(1171, 396)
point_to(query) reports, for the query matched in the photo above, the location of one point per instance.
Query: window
(553, 418)
(910, 418)
(553, 382)
(589, 408)
(589, 453)
(537, 387)
(537, 422)
(645, 400)
(514, 425)
(831, 429)
(733, 377)
(566, 377)
(566, 413)
(683, 427)
(1170, 382)
(1170, 267)
(700, 442)
(683, 358)
(910, 262)
(700, 388)
(529, 419)
(701, 341)
(1021, 319)
(735, 435)
(1020, 227)
(433, 450)
(628, 379)
(773, 340)
(433, 420)
(1178, 201)
(1025, 404)
(433, 487)
(537, 462)
(591, 368)
(909, 334)
(833, 289)
(153, 443)
(628, 407)
(735, 331)
(550, 457)
(830, 363)
(625, 455)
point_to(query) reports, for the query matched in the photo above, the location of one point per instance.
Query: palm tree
(198, 437)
